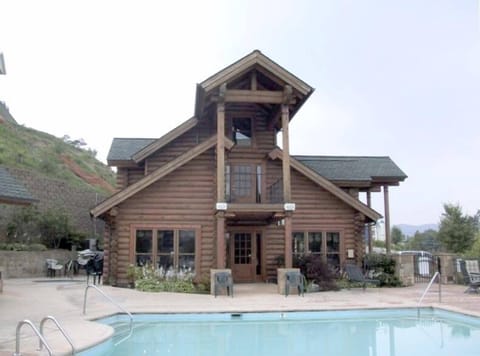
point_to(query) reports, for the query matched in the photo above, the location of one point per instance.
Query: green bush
(382, 267)
(317, 271)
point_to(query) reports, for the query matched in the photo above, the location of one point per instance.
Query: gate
(424, 266)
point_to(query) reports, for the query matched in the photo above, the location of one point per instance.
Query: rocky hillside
(50, 156)
(58, 173)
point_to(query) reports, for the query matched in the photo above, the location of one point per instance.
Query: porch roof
(350, 169)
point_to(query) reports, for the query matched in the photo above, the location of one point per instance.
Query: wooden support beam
(221, 250)
(387, 218)
(369, 228)
(286, 155)
(255, 96)
(253, 81)
(288, 241)
(221, 147)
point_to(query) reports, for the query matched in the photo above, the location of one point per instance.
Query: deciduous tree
(457, 230)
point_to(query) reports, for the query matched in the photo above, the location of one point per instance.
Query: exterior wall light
(221, 206)
(289, 206)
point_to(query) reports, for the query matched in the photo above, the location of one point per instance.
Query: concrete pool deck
(34, 299)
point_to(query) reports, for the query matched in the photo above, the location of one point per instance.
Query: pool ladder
(39, 333)
(437, 274)
(114, 303)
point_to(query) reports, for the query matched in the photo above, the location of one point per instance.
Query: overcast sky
(392, 78)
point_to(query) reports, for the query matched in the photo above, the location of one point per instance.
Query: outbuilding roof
(12, 191)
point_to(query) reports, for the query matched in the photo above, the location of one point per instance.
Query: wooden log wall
(185, 197)
(317, 209)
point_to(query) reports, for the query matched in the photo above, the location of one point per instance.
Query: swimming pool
(390, 332)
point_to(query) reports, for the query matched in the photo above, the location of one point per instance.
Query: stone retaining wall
(25, 264)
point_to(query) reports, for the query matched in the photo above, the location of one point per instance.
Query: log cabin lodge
(217, 192)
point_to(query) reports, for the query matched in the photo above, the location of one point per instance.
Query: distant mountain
(410, 230)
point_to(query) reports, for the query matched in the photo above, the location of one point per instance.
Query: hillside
(41, 153)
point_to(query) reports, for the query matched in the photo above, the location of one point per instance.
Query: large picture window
(322, 243)
(166, 248)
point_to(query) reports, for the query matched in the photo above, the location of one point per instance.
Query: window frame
(154, 257)
(324, 253)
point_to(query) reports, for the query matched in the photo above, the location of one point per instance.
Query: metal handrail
(437, 274)
(49, 317)
(114, 303)
(35, 330)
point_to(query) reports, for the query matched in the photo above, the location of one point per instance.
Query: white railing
(35, 330)
(64, 333)
(437, 274)
(114, 303)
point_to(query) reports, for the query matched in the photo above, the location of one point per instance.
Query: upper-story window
(242, 131)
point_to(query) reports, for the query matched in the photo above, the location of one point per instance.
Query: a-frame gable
(328, 186)
(275, 83)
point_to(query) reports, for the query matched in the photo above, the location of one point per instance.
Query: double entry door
(245, 255)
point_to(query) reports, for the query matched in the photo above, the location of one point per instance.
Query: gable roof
(354, 168)
(254, 60)
(157, 174)
(12, 191)
(323, 182)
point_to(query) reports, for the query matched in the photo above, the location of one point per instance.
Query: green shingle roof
(334, 168)
(351, 168)
(122, 149)
(12, 190)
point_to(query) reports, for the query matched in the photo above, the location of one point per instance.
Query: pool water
(397, 332)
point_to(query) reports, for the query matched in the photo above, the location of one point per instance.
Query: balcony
(244, 187)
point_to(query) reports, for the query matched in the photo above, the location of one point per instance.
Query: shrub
(382, 267)
(317, 271)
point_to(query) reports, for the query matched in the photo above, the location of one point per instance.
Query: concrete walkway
(63, 299)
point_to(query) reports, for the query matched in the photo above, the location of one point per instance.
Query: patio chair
(355, 275)
(223, 280)
(52, 267)
(469, 278)
(296, 280)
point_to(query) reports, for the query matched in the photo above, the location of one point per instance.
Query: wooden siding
(317, 209)
(184, 198)
(180, 145)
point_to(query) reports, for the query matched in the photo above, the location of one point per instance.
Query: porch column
(369, 227)
(221, 147)
(221, 240)
(286, 154)
(387, 218)
(288, 241)
(221, 177)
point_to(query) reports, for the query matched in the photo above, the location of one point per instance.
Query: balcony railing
(249, 188)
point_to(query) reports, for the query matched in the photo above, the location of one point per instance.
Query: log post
(288, 241)
(221, 251)
(387, 219)
(369, 226)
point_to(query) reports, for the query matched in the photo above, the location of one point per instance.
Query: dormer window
(242, 131)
